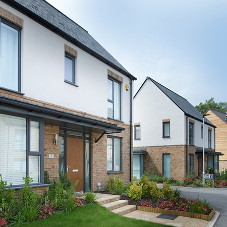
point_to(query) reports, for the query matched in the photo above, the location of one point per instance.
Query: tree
(211, 104)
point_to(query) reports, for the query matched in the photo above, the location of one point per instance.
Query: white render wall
(151, 106)
(198, 141)
(42, 72)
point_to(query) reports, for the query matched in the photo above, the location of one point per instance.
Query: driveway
(217, 198)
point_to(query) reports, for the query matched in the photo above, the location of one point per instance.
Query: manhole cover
(165, 216)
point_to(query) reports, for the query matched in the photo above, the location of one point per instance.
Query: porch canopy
(57, 117)
(139, 151)
(199, 151)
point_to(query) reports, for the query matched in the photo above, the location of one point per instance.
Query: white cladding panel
(198, 140)
(151, 106)
(42, 72)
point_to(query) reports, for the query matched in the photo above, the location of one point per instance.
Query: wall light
(55, 139)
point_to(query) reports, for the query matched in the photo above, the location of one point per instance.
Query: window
(209, 138)
(166, 165)
(210, 161)
(137, 132)
(138, 166)
(69, 69)
(201, 131)
(191, 163)
(166, 129)
(21, 150)
(191, 133)
(216, 163)
(114, 99)
(9, 56)
(113, 154)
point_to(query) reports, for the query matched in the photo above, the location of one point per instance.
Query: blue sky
(180, 44)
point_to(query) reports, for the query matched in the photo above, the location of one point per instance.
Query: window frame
(163, 129)
(135, 134)
(113, 161)
(202, 132)
(209, 138)
(192, 134)
(191, 164)
(163, 164)
(69, 56)
(12, 25)
(112, 101)
(29, 153)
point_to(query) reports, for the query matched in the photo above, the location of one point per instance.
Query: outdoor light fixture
(99, 187)
(55, 139)
(203, 151)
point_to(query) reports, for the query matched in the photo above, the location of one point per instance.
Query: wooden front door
(75, 161)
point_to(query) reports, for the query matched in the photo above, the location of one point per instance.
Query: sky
(180, 44)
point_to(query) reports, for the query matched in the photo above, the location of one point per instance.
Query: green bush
(155, 192)
(146, 186)
(177, 193)
(115, 185)
(135, 191)
(90, 197)
(167, 191)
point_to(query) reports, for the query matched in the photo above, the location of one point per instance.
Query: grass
(89, 215)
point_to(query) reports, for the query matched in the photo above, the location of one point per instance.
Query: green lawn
(90, 215)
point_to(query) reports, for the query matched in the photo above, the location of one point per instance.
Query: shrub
(145, 204)
(199, 206)
(155, 192)
(177, 193)
(171, 180)
(135, 191)
(90, 197)
(167, 205)
(146, 186)
(45, 211)
(78, 202)
(167, 191)
(3, 222)
(115, 185)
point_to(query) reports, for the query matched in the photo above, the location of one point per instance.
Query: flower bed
(178, 213)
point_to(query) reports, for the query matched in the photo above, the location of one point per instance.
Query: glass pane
(61, 154)
(216, 163)
(210, 162)
(9, 51)
(68, 69)
(191, 163)
(136, 166)
(190, 133)
(12, 149)
(117, 101)
(166, 165)
(110, 110)
(87, 165)
(117, 154)
(110, 90)
(137, 132)
(142, 165)
(109, 154)
(34, 136)
(74, 133)
(166, 129)
(34, 168)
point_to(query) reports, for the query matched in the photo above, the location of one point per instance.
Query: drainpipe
(186, 144)
(130, 140)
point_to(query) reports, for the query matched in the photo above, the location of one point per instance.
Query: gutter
(130, 137)
(186, 144)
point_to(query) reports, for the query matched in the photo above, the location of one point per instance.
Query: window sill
(137, 139)
(31, 186)
(114, 119)
(6, 89)
(68, 82)
(110, 171)
(164, 137)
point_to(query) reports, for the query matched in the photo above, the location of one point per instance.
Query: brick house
(63, 102)
(220, 121)
(168, 134)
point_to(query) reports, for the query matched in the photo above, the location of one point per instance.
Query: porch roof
(56, 117)
(139, 150)
(207, 152)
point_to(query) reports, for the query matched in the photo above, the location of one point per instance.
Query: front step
(125, 209)
(106, 198)
(116, 204)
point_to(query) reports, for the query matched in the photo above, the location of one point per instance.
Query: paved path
(217, 197)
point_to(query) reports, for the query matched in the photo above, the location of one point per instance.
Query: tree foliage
(211, 104)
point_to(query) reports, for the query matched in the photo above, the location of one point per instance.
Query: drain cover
(165, 216)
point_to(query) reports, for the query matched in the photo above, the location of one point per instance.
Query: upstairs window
(69, 69)
(114, 99)
(209, 138)
(202, 132)
(9, 56)
(166, 129)
(137, 132)
(191, 133)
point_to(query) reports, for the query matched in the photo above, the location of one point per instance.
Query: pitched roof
(222, 116)
(181, 102)
(48, 16)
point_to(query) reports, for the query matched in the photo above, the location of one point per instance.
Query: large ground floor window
(166, 165)
(138, 165)
(21, 149)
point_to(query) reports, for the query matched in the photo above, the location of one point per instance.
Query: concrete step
(106, 198)
(116, 204)
(125, 209)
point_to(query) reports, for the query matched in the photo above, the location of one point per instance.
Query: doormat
(166, 216)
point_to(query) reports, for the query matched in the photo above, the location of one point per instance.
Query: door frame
(84, 138)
